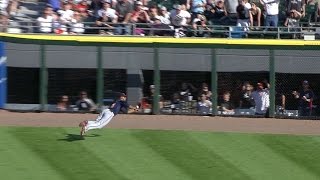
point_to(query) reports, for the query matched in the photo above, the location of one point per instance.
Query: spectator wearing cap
(85, 103)
(124, 10)
(199, 25)
(305, 97)
(45, 22)
(272, 10)
(293, 21)
(215, 12)
(256, 15)
(198, 7)
(243, 14)
(4, 21)
(165, 15)
(4, 5)
(261, 100)
(139, 16)
(179, 19)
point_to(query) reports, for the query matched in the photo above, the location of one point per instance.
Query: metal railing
(210, 30)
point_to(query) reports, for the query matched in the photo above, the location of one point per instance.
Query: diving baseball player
(106, 115)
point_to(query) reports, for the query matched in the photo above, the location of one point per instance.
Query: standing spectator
(187, 89)
(77, 26)
(226, 106)
(139, 16)
(297, 5)
(256, 15)
(55, 4)
(200, 27)
(272, 10)
(261, 99)
(179, 19)
(231, 8)
(204, 105)
(149, 98)
(63, 104)
(4, 21)
(124, 9)
(13, 7)
(45, 22)
(246, 100)
(215, 12)
(305, 97)
(85, 103)
(293, 21)
(244, 15)
(197, 7)
(94, 7)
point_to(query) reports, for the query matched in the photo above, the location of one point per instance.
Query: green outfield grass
(110, 154)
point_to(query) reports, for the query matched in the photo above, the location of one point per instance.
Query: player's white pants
(102, 120)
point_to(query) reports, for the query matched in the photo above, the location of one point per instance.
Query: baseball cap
(152, 86)
(259, 84)
(123, 95)
(305, 82)
(163, 8)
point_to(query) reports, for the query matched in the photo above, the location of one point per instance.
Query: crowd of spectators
(165, 17)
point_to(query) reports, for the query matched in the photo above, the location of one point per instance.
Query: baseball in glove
(133, 110)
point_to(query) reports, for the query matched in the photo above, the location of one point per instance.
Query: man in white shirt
(107, 11)
(66, 14)
(45, 22)
(179, 18)
(261, 99)
(4, 4)
(272, 10)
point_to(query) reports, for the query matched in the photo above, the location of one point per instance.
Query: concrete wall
(229, 60)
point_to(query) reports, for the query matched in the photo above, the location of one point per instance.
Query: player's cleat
(82, 132)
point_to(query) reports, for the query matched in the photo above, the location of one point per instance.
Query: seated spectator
(151, 95)
(66, 13)
(63, 104)
(197, 7)
(138, 16)
(57, 25)
(200, 27)
(179, 19)
(45, 22)
(106, 10)
(158, 21)
(187, 89)
(81, 7)
(94, 7)
(176, 101)
(204, 105)
(124, 10)
(76, 26)
(244, 16)
(255, 11)
(165, 15)
(246, 100)
(226, 106)
(305, 97)
(85, 103)
(4, 21)
(205, 90)
(271, 12)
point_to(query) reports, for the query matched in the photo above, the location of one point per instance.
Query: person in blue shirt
(121, 105)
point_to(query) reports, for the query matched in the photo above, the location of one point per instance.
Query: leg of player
(102, 120)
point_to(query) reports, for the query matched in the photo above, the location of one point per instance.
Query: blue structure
(3, 76)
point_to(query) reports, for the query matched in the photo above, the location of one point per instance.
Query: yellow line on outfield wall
(144, 40)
